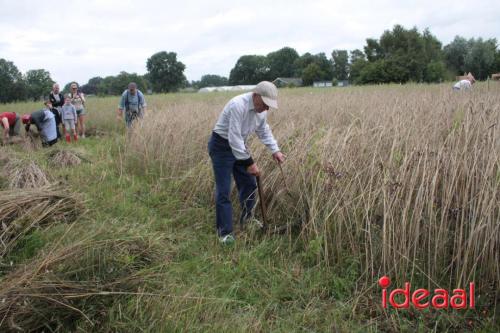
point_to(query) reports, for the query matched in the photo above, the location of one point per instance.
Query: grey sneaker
(227, 240)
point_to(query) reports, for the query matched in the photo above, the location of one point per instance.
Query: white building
(322, 84)
(227, 88)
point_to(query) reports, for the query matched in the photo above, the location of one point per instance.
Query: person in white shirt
(243, 115)
(465, 84)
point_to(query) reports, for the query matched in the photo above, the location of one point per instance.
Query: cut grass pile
(22, 210)
(25, 173)
(76, 282)
(65, 157)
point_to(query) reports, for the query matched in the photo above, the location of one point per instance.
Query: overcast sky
(77, 40)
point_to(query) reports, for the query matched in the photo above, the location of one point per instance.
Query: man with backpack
(133, 103)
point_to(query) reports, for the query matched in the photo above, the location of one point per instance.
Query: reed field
(396, 180)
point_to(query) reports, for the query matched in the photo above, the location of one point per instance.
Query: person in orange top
(11, 124)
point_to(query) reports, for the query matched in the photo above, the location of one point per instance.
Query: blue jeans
(224, 164)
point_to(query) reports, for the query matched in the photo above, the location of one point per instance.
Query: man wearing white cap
(242, 116)
(466, 83)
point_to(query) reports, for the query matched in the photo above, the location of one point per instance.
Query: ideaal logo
(419, 298)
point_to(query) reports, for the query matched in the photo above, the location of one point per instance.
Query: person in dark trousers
(57, 116)
(45, 123)
(243, 115)
(133, 104)
(57, 100)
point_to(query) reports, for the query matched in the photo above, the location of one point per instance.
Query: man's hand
(279, 157)
(119, 114)
(253, 170)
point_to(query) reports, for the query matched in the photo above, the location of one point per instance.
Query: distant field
(391, 180)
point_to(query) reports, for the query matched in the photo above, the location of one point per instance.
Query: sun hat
(269, 93)
(26, 119)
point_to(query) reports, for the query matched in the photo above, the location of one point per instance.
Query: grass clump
(78, 282)
(21, 211)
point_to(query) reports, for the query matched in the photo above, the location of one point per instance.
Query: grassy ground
(161, 268)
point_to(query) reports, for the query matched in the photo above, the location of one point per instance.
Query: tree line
(400, 55)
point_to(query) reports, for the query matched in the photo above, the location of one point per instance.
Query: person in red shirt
(11, 124)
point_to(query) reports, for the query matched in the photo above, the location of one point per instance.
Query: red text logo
(422, 298)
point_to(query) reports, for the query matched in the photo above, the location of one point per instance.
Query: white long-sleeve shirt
(238, 120)
(463, 85)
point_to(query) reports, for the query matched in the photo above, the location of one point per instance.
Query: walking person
(11, 124)
(78, 101)
(133, 104)
(242, 116)
(69, 119)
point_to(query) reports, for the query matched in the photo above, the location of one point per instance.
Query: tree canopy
(12, 84)
(39, 83)
(166, 73)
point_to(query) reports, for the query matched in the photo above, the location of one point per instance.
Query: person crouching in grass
(11, 124)
(69, 119)
(45, 123)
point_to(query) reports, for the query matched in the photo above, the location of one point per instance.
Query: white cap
(268, 92)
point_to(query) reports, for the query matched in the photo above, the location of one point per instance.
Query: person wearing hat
(243, 115)
(11, 124)
(45, 123)
(466, 83)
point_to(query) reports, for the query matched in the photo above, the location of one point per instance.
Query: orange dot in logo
(384, 282)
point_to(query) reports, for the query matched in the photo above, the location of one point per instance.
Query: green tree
(281, 62)
(404, 53)
(356, 65)
(435, 71)
(212, 80)
(250, 69)
(356, 55)
(373, 50)
(374, 72)
(340, 60)
(323, 71)
(311, 73)
(496, 67)
(401, 55)
(477, 56)
(39, 83)
(12, 85)
(480, 59)
(455, 54)
(92, 87)
(165, 72)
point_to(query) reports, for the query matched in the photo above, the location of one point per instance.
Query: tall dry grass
(404, 178)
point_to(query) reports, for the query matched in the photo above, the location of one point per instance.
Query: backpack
(139, 102)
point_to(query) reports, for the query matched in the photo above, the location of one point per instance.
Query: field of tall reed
(406, 178)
